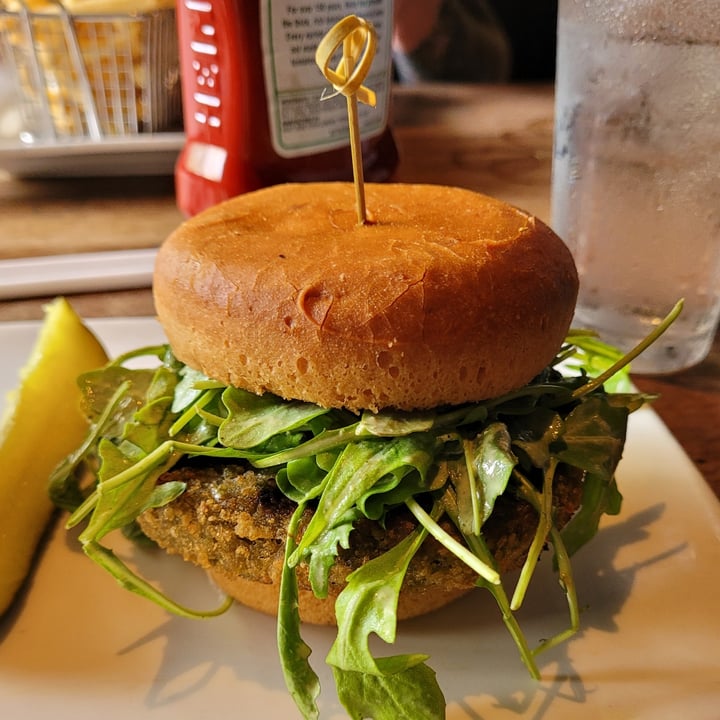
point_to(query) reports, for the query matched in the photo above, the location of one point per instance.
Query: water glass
(636, 169)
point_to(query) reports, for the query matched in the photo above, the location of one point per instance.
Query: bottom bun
(233, 522)
(321, 611)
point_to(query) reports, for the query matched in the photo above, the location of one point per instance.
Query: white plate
(151, 154)
(77, 646)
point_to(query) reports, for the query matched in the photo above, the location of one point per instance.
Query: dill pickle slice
(41, 424)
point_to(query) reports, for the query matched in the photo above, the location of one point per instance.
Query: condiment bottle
(252, 107)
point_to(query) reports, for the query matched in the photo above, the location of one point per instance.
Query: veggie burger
(354, 424)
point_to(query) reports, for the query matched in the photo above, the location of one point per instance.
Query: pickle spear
(41, 424)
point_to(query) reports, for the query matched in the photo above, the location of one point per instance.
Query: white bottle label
(300, 122)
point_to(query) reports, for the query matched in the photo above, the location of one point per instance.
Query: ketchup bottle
(252, 108)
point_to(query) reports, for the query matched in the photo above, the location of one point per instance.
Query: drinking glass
(636, 170)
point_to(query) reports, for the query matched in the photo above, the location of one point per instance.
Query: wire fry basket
(92, 76)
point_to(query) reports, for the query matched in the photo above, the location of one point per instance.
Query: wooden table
(497, 140)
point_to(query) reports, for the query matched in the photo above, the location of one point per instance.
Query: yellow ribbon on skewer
(358, 40)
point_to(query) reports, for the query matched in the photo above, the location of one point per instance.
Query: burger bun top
(444, 296)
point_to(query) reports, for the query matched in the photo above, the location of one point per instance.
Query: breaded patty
(232, 521)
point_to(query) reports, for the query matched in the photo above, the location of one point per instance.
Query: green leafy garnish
(300, 678)
(451, 464)
(384, 687)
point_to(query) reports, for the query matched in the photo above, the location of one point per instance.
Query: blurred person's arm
(449, 40)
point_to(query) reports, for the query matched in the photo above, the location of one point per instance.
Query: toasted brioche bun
(446, 296)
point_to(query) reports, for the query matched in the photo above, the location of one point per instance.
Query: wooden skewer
(358, 39)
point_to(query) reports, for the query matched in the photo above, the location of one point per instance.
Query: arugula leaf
(357, 469)
(600, 497)
(64, 485)
(476, 543)
(254, 419)
(594, 436)
(474, 561)
(564, 569)
(544, 528)
(386, 687)
(118, 503)
(624, 362)
(367, 605)
(200, 419)
(585, 352)
(299, 478)
(483, 477)
(191, 386)
(100, 386)
(325, 442)
(107, 559)
(301, 680)
(413, 693)
(325, 551)
(535, 435)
